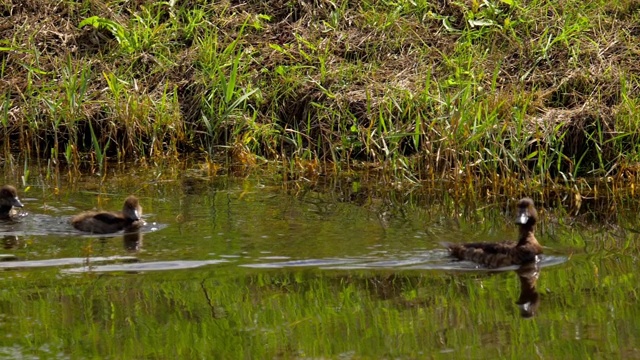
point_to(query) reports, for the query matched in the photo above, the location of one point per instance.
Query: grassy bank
(508, 91)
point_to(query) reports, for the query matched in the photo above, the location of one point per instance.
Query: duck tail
(449, 245)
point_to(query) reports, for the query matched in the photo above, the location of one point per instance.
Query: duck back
(105, 222)
(100, 222)
(494, 255)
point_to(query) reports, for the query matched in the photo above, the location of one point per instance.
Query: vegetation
(509, 91)
(520, 94)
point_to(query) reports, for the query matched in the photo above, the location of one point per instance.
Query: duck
(495, 255)
(105, 222)
(8, 200)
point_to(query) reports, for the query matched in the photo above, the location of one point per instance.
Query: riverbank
(510, 93)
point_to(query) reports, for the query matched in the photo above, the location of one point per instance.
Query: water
(245, 268)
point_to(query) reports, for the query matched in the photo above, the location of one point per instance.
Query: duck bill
(16, 202)
(523, 217)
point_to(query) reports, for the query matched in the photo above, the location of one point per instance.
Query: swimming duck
(104, 222)
(8, 200)
(494, 255)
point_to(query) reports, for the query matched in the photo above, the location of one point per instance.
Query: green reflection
(584, 306)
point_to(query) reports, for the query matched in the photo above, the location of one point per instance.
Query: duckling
(8, 200)
(104, 222)
(494, 255)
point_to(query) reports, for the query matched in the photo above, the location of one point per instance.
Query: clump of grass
(512, 93)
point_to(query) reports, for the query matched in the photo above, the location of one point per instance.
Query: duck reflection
(10, 242)
(132, 240)
(529, 299)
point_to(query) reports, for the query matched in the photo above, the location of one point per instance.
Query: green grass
(519, 92)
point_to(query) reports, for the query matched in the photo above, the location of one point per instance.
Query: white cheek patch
(523, 218)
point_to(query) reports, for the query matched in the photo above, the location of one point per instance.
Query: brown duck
(494, 255)
(8, 200)
(104, 222)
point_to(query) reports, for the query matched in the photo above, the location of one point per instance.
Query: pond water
(251, 268)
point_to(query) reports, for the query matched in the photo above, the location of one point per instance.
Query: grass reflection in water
(247, 271)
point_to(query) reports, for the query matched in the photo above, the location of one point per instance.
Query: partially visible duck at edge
(105, 222)
(494, 255)
(8, 200)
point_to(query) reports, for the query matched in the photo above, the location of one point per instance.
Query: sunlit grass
(539, 93)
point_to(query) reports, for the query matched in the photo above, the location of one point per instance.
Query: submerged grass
(514, 92)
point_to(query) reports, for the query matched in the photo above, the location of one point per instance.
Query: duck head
(526, 212)
(132, 209)
(9, 196)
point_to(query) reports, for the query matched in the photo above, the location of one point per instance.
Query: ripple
(146, 266)
(426, 260)
(543, 261)
(301, 263)
(63, 262)
(43, 225)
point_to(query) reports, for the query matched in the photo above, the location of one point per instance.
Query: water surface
(248, 268)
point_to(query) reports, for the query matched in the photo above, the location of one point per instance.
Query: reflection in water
(529, 299)
(132, 241)
(10, 242)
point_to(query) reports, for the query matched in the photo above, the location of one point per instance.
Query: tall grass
(226, 114)
(529, 93)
